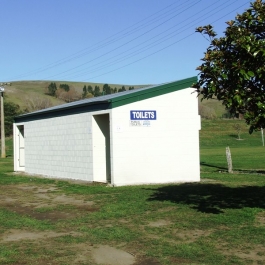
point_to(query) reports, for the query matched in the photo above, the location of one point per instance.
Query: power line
(154, 22)
(155, 43)
(129, 41)
(160, 49)
(107, 41)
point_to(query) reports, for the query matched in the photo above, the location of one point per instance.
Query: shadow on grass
(233, 136)
(211, 198)
(224, 169)
(213, 166)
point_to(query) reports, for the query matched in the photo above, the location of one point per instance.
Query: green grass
(248, 153)
(11, 220)
(220, 220)
(221, 133)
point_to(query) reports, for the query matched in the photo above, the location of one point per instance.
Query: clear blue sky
(108, 41)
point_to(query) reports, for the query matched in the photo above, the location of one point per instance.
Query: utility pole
(3, 142)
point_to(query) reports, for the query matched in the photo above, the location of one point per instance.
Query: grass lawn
(220, 220)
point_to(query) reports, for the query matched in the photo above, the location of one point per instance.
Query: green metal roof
(108, 101)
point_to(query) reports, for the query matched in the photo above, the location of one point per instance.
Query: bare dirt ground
(26, 200)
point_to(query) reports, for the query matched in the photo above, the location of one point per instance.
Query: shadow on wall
(211, 198)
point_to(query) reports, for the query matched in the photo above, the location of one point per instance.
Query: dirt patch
(4, 199)
(50, 215)
(18, 235)
(111, 256)
(180, 261)
(44, 203)
(149, 261)
(190, 236)
(108, 255)
(257, 255)
(159, 223)
(63, 199)
(29, 211)
(248, 253)
(260, 218)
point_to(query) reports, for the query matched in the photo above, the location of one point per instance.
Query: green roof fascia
(154, 92)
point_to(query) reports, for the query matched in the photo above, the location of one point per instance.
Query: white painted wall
(167, 151)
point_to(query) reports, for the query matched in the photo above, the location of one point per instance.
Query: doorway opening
(21, 147)
(101, 148)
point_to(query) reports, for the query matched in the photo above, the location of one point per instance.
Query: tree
(97, 91)
(52, 89)
(233, 68)
(237, 127)
(84, 92)
(68, 96)
(10, 110)
(65, 87)
(90, 90)
(106, 89)
(87, 91)
(122, 89)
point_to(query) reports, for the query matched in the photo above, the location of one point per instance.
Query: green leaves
(255, 53)
(250, 74)
(247, 74)
(233, 66)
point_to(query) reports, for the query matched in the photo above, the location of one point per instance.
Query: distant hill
(20, 92)
(212, 108)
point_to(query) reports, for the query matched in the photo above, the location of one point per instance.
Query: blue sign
(143, 114)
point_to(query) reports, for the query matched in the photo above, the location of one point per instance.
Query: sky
(130, 42)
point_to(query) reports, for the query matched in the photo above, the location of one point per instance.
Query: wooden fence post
(229, 160)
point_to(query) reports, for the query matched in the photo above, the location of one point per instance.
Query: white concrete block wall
(60, 147)
(167, 151)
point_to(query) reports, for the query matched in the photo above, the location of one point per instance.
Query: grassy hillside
(19, 92)
(211, 108)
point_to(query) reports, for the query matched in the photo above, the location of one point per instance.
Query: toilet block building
(141, 136)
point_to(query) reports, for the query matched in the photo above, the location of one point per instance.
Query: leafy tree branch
(233, 68)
